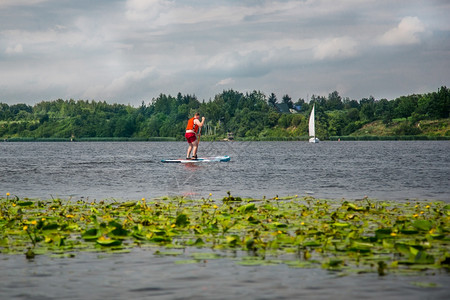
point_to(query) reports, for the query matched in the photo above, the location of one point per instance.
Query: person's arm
(200, 124)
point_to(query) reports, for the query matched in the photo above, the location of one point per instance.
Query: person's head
(197, 115)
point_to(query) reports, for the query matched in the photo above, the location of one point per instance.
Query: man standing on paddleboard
(192, 134)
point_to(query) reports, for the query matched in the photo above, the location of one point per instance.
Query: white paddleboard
(224, 158)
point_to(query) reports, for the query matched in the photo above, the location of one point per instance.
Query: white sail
(312, 131)
(312, 127)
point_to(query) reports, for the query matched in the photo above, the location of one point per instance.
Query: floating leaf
(205, 255)
(403, 249)
(182, 220)
(423, 258)
(109, 242)
(119, 233)
(383, 233)
(160, 239)
(423, 225)
(51, 226)
(186, 262)
(168, 253)
(91, 234)
(247, 208)
(425, 284)
(232, 240)
(339, 224)
(128, 204)
(279, 225)
(361, 247)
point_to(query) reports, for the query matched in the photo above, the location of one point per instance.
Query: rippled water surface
(143, 275)
(381, 170)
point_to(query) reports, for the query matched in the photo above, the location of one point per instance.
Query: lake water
(395, 170)
(380, 170)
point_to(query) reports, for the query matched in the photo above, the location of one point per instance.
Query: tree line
(246, 115)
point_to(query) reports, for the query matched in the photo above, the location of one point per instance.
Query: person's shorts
(190, 137)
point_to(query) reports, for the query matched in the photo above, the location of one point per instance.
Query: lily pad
(423, 225)
(109, 242)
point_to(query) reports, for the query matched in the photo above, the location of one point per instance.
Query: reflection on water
(382, 170)
(143, 275)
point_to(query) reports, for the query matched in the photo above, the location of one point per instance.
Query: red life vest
(192, 126)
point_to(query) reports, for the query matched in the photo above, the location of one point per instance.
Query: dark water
(381, 170)
(143, 275)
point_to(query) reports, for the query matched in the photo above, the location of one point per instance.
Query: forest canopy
(251, 115)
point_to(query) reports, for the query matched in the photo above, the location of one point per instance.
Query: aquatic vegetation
(345, 236)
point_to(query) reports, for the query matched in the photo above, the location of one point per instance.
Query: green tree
(288, 101)
(272, 101)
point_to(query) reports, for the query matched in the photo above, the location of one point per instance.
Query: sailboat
(312, 127)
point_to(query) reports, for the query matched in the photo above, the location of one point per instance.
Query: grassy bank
(93, 139)
(346, 236)
(390, 138)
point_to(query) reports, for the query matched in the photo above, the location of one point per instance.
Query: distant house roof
(283, 108)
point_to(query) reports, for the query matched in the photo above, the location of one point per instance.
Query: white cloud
(126, 50)
(18, 48)
(225, 81)
(335, 48)
(146, 10)
(406, 33)
(6, 3)
(120, 84)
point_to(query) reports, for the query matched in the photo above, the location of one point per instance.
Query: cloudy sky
(129, 51)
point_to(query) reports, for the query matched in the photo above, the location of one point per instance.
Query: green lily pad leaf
(251, 262)
(424, 258)
(409, 231)
(25, 203)
(425, 284)
(128, 204)
(352, 206)
(437, 236)
(203, 256)
(339, 224)
(120, 233)
(197, 242)
(186, 262)
(361, 247)
(168, 253)
(249, 243)
(403, 249)
(301, 264)
(91, 234)
(333, 263)
(109, 242)
(160, 239)
(383, 233)
(232, 240)
(311, 244)
(51, 226)
(159, 232)
(182, 220)
(138, 236)
(423, 225)
(279, 225)
(253, 220)
(247, 208)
